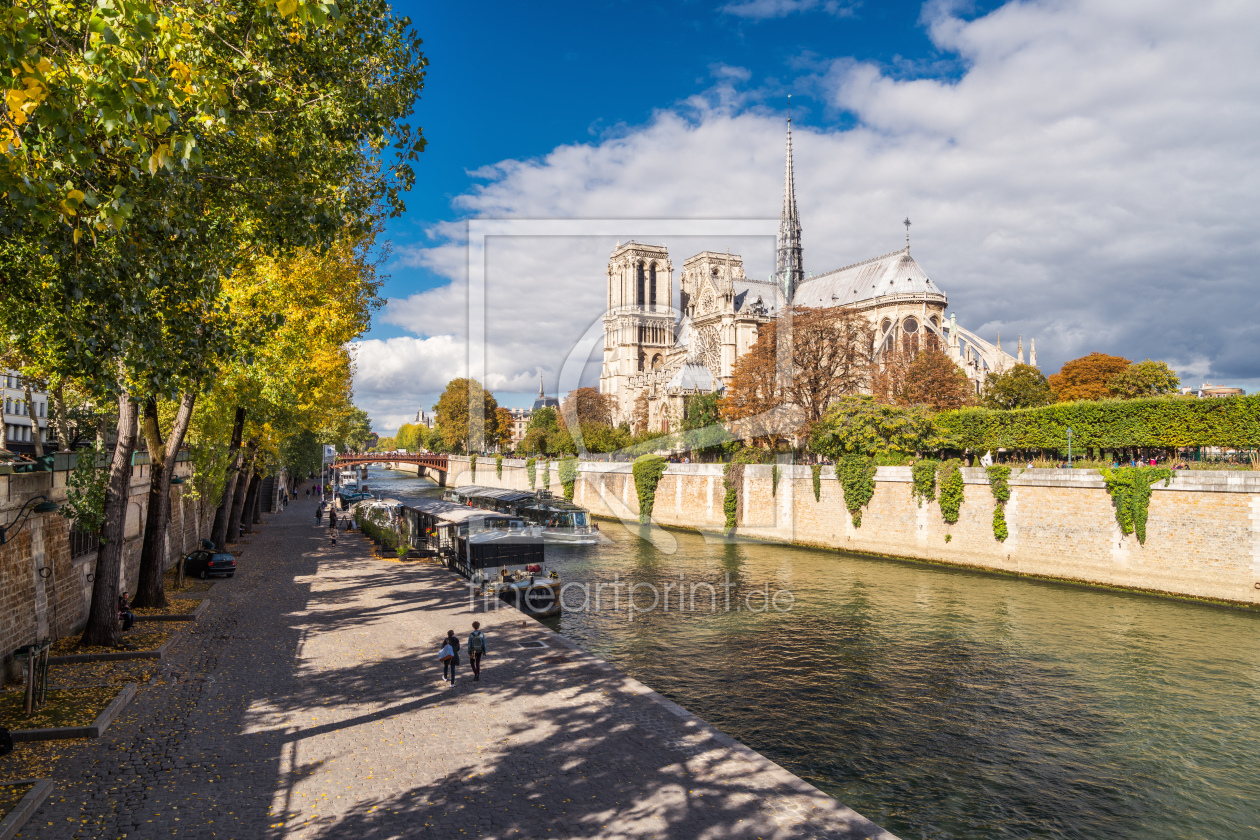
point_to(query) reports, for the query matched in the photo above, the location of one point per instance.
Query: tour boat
(555, 520)
(502, 554)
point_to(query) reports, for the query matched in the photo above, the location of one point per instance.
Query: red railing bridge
(428, 460)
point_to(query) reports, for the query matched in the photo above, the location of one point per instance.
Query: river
(939, 703)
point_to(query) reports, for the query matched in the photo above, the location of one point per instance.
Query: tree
(862, 426)
(934, 380)
(1023, 386)
(462, 428)
(1087, 378)
(587, 405)
(503, 424)
(1144, 379)
(542, 432)
(802, 361)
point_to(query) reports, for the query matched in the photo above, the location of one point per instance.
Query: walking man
(452, 663)
(476, 648)
(319, 514)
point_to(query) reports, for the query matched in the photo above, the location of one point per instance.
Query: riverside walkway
(307, 704)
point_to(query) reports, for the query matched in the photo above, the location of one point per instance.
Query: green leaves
(856, 474)
(647, 470)
(859, 425)
(1130, 489)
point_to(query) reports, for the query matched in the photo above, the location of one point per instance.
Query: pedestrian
(452, 663)
(308, 493)
(319, 514)
(476, 649)
(125, 615)
(332, 518)
(332, 535)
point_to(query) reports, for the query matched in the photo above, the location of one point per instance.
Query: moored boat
(555, 520)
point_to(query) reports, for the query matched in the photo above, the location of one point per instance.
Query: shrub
(816, 469)
(647, 470)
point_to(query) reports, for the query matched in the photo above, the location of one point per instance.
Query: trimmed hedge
(1162, 422)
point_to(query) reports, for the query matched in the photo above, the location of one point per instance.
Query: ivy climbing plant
(568, 476)
(950, 481)
(775, 473)
(498, 466)
(1130, 489)
(856, 474)
(923, 481)
(472, 465)
(1000, 488)
(546, 482)
(733, 480)
(531, 471)
(816, 469)
(647, 470)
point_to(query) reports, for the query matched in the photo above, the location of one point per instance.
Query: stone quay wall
(46, 589)
(1202, 534)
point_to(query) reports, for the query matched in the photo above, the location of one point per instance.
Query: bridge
(428, 460)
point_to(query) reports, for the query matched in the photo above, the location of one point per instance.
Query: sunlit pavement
(308, 703)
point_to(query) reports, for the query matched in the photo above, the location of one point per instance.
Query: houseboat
(500, 553)
(555, 520)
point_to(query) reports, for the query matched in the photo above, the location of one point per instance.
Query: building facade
(23, 419)
(655, 356)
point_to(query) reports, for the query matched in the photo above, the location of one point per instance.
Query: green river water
(941, 703)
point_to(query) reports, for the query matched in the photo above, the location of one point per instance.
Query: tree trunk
(31, 413)
(238, 501)
(59, 420)
(102, 625)
(251, 502)
(150, 591)
(219, 533)
(258, 503)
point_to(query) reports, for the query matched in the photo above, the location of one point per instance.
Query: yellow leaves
(70, 204)
(23, 101)
(287, 7)
(160, 158)
(181, 72)
(9, 141)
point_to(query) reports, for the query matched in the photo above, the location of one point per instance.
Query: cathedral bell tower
(788, 270)
(639, 322)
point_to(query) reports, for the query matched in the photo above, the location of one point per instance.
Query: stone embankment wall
(45, 591)
(1202, 535)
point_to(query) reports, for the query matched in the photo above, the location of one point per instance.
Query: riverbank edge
(780, 773)
(1220, 603)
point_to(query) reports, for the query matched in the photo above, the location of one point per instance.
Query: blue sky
(1079, 172)
(509, 80)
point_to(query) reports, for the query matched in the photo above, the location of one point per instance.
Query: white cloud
(765, 9)
(1090, 180)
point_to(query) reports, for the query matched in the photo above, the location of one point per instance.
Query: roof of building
(892, 274)
(693, 376)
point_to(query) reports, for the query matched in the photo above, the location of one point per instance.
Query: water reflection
(944, 704)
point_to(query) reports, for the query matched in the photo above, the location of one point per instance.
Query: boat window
(579, 518)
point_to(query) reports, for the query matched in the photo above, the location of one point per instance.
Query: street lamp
(1069, 447)
(24, 513)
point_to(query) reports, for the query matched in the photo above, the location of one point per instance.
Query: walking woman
(452, 663)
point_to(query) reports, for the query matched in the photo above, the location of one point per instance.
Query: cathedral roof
(693, 376)
(892, 274)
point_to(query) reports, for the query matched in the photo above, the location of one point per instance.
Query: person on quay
(125, 615)
(452, 663)
(476, 649)
(319, 513)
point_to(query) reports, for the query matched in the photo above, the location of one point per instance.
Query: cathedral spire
(540, 385)
(788, 264)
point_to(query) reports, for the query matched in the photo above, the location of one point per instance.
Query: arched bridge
(437, 463)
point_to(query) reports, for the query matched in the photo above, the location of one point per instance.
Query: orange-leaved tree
(1087, 378)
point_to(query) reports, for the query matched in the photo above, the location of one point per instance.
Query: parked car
(206, 564)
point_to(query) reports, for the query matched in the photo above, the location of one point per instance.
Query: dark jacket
(453, 641)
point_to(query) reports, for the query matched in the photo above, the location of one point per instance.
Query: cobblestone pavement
(307, 703)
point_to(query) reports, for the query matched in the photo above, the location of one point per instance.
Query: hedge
(1162, 422)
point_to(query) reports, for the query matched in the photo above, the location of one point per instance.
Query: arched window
(652, 288)
(639, 297)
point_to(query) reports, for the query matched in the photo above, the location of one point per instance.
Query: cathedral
(657, 356)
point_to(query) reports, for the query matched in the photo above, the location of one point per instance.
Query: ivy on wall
(950, 481)
(923, 481)
(856, 474)
(472, 465)
(531, 471)
(568, 475)
(647, 470)
(774, 480)
(816, 469)
(733, 480)
(498, 466)
(1130, 489)
(1107, 424)
(546, 482)
(999, 477)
